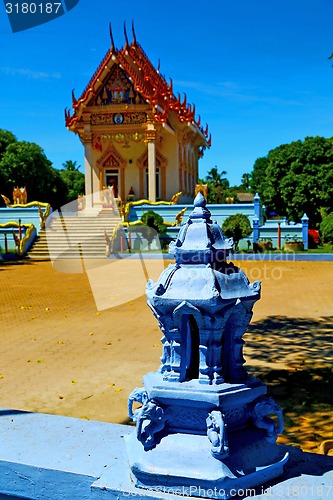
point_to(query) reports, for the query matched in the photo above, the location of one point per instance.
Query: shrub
(237, 226)
(153, 225)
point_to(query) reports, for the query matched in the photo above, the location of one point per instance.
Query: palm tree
(70, 166)
(245, 182)
(217, 184)
(215, 177)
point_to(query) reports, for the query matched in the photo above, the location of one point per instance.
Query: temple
(140, 140)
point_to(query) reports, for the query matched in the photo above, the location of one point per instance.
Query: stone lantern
(204, 422)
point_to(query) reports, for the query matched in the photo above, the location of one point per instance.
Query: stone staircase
(74, 236)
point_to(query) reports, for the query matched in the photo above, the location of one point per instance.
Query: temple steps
(72, 237)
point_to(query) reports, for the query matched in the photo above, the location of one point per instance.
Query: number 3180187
(33, 8)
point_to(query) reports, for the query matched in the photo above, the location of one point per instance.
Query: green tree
(326, 228)
(6, 138)
(296, 178)
(246, 181)
(218, 185)
(216, 177)
(25, 164)
(73, 178)
(258, 175)
(71, 166)
(237, 226)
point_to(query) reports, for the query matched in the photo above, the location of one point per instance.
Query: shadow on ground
(293, 356)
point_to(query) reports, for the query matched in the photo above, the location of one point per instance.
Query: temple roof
(145, 79)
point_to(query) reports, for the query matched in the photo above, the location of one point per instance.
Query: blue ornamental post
(204, 422)
(256, 201)
(256, 230)
(305, 231)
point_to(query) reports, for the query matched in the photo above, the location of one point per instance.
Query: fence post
(6, 242)
(305, 229)
(256, 223)
(256, 202)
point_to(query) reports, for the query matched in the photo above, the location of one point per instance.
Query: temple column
(88, 173)
(150, 139)
(163, 182)
(92, 183)
(95, 184)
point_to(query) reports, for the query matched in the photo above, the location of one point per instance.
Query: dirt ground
(59, 354)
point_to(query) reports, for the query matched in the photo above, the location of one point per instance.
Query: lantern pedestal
(184, 461)
(201, 437)
(186, 405)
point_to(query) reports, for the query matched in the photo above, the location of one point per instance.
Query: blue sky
(257, 71)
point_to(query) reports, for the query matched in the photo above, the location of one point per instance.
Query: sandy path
(60, 355)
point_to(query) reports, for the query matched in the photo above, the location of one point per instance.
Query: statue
(175, 197)
(131, 195)
(42, 217)
(217, 434)
(20, 195)
(203, 420)
(150, 420)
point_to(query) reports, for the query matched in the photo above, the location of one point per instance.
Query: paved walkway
(59, 354)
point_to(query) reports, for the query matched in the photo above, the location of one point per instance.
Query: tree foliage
(297, 178)
(71, 166)
(73, 178)
(6, 138)
(218, 186)
(237, 226)
(326, 228)
(154, 220)
(25, 164)
(245, 182)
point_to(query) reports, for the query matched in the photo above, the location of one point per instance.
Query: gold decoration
(43, 216)
(179, 218)
(135, 118)
(6, 200)
(130, 204)
(29, 234)
(201, 188)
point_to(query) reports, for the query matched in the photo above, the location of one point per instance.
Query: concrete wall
(219, 213)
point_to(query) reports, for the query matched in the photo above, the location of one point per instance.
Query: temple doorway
(112, 181)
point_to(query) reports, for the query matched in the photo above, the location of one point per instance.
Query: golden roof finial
(125, 34)
(111, 38)
(74, 100)
(133, 32)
